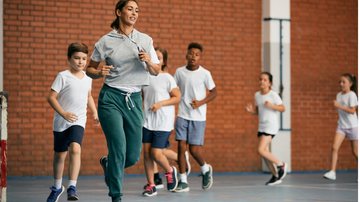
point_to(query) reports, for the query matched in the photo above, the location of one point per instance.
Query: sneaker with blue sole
(72, 194)
(55, 194)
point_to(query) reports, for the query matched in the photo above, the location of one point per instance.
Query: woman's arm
(154, 69)
(92, 106)
(93, 72)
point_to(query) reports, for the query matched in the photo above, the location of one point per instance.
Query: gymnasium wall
(323, 46)
(37, 33)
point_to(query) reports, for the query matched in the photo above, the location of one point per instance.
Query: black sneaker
(158, 183)
(150, 191)
(282, 171)
(273, 181)
(103, 163)
(172, 180)
(116, 199)
(72, 194)
(55, 194)
(207, 179)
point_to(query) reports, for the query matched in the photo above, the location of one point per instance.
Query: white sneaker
(331, 175)
(188, 165)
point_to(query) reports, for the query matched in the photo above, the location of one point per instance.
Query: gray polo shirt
(122, 52)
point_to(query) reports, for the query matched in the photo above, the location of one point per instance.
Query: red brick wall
(323, 46)
(37, 33)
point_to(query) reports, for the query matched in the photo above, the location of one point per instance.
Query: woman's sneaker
(273, 181)
(331, 175)
(72, 194)
(55, 194)
(150, 191)
(172, 180)
(103, 163)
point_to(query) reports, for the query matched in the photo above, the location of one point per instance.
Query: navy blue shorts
(62, 140)
(158, 139)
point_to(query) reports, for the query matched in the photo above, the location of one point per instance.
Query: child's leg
(161, 159)
(148, 164)
(75, 162)
(156, 169)
(170, 154)
(354, 147)
(263, 149)
(58, 168)
(195, 151)
(181, 156)
(271, 167)
(353, 136)
(338, 139)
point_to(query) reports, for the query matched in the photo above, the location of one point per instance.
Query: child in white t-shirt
(346, 104)
(197, 89)
(267, 105)
(160, 98)
(70, 96)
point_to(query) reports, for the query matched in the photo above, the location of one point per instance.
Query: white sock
(58, 183)
(183, 177)
(72, 183)
(205, 168)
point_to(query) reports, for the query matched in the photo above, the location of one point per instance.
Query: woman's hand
(144, 57)
(105, 70)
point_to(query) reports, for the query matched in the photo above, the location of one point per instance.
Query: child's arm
(174, 99)
(350, 110)
(209, 97)
(280, 108)
(92, 106)
(56, 106)
(251, 109)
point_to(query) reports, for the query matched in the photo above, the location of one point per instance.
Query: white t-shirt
(268, 118)
(158, 90)
(193, 85)
(347, 120)
(72, 97)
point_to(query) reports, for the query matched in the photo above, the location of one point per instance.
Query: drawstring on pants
(129, 102)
